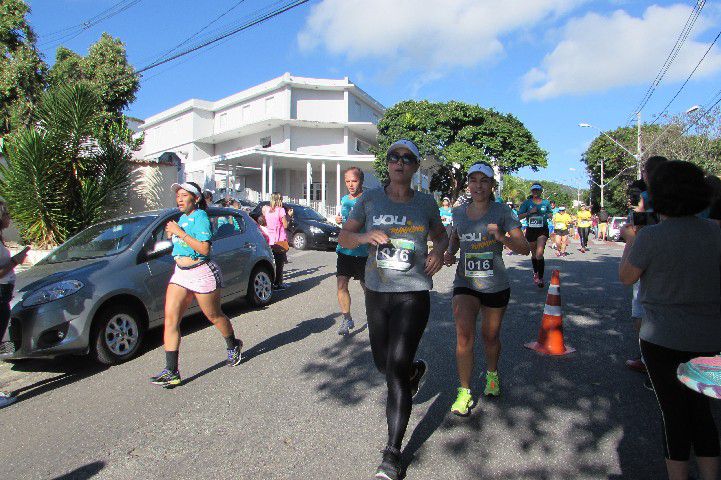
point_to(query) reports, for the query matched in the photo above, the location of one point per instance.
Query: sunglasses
(407, 158)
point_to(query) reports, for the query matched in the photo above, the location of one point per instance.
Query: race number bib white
(560, 226)
(396, 255)
(479, 264)
(535, 221)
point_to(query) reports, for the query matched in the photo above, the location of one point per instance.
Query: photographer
(679, 290)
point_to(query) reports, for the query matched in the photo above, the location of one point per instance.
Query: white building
(291, 135)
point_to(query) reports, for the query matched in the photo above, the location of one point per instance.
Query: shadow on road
(300, 332)
(84, 472)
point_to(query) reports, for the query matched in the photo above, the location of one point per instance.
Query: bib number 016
(479, 265)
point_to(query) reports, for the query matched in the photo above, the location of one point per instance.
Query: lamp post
(638, 155)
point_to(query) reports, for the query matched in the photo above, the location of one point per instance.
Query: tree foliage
(69, 170)
(516, 190)
(22, 71)
(695, 138)
(458, 134)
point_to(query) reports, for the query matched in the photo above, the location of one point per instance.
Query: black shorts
(532, 234)
(351, 266)
(562, 233)
(491, 300)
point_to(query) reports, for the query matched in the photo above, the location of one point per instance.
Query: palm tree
(70, 169)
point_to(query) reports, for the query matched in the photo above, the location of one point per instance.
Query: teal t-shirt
(197, 225)
(540, 218)
(446, 216)
(346, 205)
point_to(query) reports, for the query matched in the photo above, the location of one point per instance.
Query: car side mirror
(161, 247)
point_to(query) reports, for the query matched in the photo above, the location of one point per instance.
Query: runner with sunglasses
(196, 276)
(481, 284)
(537, 211)
(398, 222)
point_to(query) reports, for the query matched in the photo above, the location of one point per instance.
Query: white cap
(405, 144)
(484, 168)
(187, 187)
(536, 186)
(560, 209)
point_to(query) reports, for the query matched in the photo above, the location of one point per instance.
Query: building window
(362, 146)
(265, 142)
(245, 113)
(315, 191)
(269, 106)
(357, 109)
(223, 121)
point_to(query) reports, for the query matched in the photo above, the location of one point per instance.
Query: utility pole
(602, 184)
(638, 146)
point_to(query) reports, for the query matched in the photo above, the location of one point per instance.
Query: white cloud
(425, 34)
(600, 52)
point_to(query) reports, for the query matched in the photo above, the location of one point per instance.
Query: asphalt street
(306, 403)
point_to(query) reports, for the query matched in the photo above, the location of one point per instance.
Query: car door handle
(248, 245)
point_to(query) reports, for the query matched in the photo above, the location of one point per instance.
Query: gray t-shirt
(399, 266)
(481, 266)
(681, 260)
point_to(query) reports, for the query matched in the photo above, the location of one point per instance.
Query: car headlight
(315, 230)
(52, 292)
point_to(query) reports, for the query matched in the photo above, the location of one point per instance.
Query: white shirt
(5, 260)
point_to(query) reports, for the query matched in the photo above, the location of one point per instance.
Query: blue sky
(552, 63)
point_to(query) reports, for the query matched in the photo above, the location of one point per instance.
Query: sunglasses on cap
(406, 158)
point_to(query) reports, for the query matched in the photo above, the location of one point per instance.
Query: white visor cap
(485, 169)
(185, 186)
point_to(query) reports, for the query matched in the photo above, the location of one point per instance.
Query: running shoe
(702, 374)
(636, 365)
(493, 385)
(390, 467)
(540, 283)
(464, 402)
(420, 367)
(234, 354)
(535, 279)
(346, 325)
(6, 398)
(167, 379)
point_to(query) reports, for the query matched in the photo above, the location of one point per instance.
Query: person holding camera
(679, 291)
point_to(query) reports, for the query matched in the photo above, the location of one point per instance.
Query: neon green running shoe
(464, 402)
(493, 385)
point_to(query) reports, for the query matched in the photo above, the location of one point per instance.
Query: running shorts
(532, 234)
(203, 277)
(562, 233)
(351, 266)
(490, 300)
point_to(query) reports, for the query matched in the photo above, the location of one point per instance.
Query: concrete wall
(277, 137)
(352, 137)
(317, 140)
(318, 105)
(269, 105)
(360, 111)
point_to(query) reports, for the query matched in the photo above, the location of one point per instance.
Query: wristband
(184, 237)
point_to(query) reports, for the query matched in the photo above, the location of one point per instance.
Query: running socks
(534, 262)
(171, 361)
(230, 341)
(541, 262)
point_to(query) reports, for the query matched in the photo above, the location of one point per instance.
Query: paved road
(308, 404)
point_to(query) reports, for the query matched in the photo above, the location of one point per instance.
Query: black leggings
(583, 235)
(396, 322)
(280, 258)
(6, 294)
(685, 414)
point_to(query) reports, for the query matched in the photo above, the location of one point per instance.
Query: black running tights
(396, 322)
(583, 235)
(685, 414)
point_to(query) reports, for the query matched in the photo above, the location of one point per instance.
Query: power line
(688, 78)
(670, 58)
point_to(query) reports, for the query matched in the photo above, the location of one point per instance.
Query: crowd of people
(395, 239)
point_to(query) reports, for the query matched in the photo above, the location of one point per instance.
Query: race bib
(479, 264)
(535, 221)
(560, 226)
(397, 255)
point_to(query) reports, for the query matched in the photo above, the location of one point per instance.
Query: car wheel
(300, 241)
(260, 287)
(117, 334)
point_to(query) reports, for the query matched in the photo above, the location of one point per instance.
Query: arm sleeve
(358, 212)
(642, 250)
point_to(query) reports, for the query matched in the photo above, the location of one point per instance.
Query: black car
(307, 228)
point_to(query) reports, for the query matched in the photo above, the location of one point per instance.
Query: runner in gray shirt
(398, 223)
(481, 284)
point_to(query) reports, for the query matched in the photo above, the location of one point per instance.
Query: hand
(375, 238)
(496, 232)
(338, 219)
(172, 228)
(434, 262)
(533, 210)
(290, 212)
(448, 259)
(628, 233)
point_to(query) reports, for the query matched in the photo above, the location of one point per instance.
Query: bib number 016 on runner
(479, 265)
(397, 255)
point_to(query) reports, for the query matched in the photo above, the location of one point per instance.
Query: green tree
(517, 190)
(69, 170)
(22, 70)
(458, 134)
(105, 69)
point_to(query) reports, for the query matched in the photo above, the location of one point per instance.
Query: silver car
(101, 291)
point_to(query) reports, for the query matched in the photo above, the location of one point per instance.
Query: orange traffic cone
(550, 336)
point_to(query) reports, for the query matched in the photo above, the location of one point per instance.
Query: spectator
(680, 294)
(445, 211)
(277, 220)
(603, 224)
(208, 195)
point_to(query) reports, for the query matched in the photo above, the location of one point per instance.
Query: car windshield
(617, 222)
(101, 240)
(306, 213)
